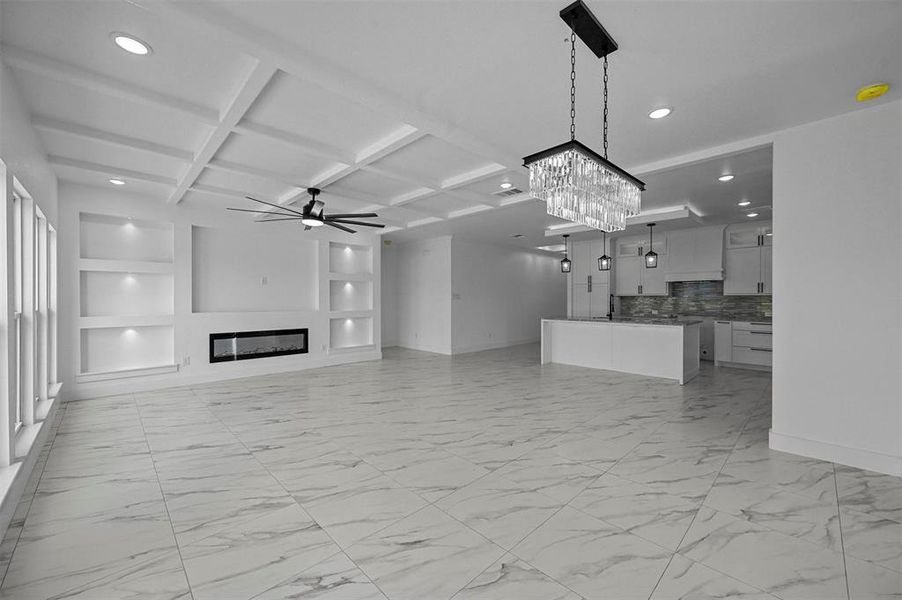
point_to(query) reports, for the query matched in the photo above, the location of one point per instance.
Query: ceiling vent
(508, 192)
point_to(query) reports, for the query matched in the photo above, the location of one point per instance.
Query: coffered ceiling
(418, 110)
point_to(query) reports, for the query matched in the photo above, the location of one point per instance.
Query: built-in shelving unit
(350, 296)
(126, 297)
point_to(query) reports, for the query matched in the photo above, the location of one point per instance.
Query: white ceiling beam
(302, 143)
(109, 171)
(318, 70)
(371, 200)
(254, 82)
(106, 137)
(424, 183)
(233, 167)
(412, 196)
(220, 191)
(91, 80)
(474, 176)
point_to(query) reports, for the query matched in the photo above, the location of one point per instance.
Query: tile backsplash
(698, 298)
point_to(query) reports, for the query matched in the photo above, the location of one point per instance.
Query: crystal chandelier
(576, 183)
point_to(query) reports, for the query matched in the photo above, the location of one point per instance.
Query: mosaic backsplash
(700, 299)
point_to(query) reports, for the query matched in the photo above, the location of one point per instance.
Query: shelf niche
(348, 295)
(350, 259)
(111, 293)
(121, 238)
(350, 332)
(110, 349)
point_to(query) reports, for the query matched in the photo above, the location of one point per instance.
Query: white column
(28, 311)
(8, 373)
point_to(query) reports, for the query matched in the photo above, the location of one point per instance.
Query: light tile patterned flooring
(424, 477)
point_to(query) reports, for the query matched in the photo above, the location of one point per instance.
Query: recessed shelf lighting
(131, 44)
(506, 185)
(660, 113)
(750, 215)
(744, 203)
(727, 177)
(117, 181)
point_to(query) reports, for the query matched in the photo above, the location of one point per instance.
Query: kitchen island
(654, 347)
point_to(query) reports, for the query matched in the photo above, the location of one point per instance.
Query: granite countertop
(659, 322)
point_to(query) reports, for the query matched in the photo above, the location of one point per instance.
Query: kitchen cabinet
(748, 258)
(743, 344)
(631, 277)
(695, 254)
(723, 341)
(590, 288)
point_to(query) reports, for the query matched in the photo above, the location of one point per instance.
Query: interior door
(743, 271)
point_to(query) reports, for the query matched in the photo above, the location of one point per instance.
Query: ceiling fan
(311, 215)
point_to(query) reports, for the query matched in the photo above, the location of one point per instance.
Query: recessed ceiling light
(725, 178)
(131, 44)
(744, 203)
(117, 182)
(506, 185)
(660, 113)
(750, 215)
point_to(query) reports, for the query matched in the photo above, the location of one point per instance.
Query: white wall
(422, 277)
(248, 309)
(21, 149)
(390, 332)
(451, 295)
(500, 294)
(838, 289)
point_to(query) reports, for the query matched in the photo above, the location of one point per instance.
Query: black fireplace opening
(245, 345)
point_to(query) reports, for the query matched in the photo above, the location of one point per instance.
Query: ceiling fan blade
(337, 226)
(261, 212)
(353, 216)
(307, 227)
(347, 222)
(279, 206)
(282, 219)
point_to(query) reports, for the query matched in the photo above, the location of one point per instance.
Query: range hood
(695, 254)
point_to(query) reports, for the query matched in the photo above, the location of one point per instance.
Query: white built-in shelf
(350, 258)
(125, 321)
(124, 266)
(352, 349)
(126, 373)
(351, 276)
(350, 314)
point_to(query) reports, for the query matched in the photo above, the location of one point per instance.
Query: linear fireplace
(244, 345)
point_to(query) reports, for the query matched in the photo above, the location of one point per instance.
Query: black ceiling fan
(311, 215)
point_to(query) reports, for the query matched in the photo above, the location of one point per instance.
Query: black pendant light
(651, 257)
(604, 261)
(565, 263)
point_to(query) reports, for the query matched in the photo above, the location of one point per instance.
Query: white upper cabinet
(695, 254)
(581, 265)
(749, 255)
(628, 246)
(627, 275)
(653, 280)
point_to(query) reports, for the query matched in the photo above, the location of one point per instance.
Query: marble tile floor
(426, 477)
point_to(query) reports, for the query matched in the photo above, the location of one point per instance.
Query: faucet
(611, 308)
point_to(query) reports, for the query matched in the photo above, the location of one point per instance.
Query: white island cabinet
(656, 348)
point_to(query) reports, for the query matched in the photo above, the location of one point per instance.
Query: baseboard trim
(494, 345)
(844, 455)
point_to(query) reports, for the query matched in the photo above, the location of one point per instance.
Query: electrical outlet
(654, 311)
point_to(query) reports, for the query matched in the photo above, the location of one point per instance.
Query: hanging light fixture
(651, 257)
(576, 183)
(604, 261)
(565, 263)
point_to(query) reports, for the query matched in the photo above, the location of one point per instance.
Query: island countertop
(630, 321)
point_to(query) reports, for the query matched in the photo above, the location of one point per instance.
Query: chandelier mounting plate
(588, 29)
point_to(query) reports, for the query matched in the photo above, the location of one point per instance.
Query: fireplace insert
(244, 345)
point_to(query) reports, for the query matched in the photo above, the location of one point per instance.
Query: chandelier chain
(605, 118)
(572, 83)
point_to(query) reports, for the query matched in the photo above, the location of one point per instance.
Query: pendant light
(651, 257)
(565, 263)
(576, 183)
(604, 261)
